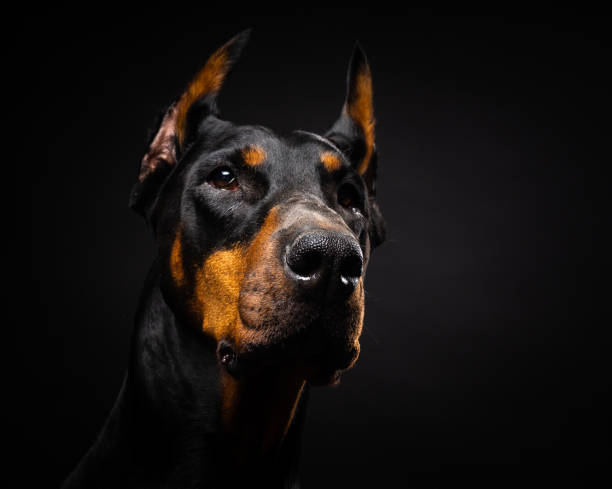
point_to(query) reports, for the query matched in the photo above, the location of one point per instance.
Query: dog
(256, 292)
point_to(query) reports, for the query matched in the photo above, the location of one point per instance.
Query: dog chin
(320, 360)
(325, 378)
(328, 368)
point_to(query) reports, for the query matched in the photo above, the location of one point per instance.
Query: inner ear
(162, 149)
(157, 162)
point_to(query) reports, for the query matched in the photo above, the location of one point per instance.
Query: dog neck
(258, 411)
(181, 418)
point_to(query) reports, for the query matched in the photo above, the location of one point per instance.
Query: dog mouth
(317, 370)
(316, 354)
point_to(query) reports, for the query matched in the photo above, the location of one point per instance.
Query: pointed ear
(353, 132)
(200, 97)
(175, 125)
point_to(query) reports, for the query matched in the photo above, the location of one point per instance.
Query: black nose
(324, 262)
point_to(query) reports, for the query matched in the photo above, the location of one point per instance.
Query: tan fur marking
(361, 110)
(357, 301)
(208, 80)
(331, 161)
(176, 261)
(219, 280)
(262, 252)
(217, 291)
(263, 237)
(253, 155)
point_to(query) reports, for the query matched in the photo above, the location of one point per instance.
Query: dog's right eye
(223, 178)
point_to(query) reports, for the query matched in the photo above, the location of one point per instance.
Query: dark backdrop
(483, 355)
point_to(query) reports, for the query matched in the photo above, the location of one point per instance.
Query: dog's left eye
(223, 178)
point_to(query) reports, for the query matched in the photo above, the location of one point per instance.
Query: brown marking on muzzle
(217, 288)
(356, 303)
(216, 284)
(219, 280)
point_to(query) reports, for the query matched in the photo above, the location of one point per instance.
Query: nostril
(351, 267)
(304, 261)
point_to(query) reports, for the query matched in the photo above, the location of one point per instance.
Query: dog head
(262, 239)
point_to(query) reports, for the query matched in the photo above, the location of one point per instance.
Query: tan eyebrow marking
(254, 155)
(331, 161)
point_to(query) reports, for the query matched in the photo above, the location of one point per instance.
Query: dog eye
(223, 178)
(348, 197)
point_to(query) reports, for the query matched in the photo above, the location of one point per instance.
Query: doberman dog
(255, 294)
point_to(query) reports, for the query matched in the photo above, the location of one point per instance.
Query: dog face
(263, 240)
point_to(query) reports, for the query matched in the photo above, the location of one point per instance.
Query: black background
(483, 356)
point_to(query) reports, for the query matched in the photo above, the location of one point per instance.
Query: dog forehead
(303, 161)
(298, 153)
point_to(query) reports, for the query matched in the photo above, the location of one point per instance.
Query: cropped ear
(353, 132)
(176, 124)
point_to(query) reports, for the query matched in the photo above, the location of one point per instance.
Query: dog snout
(325, 263)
